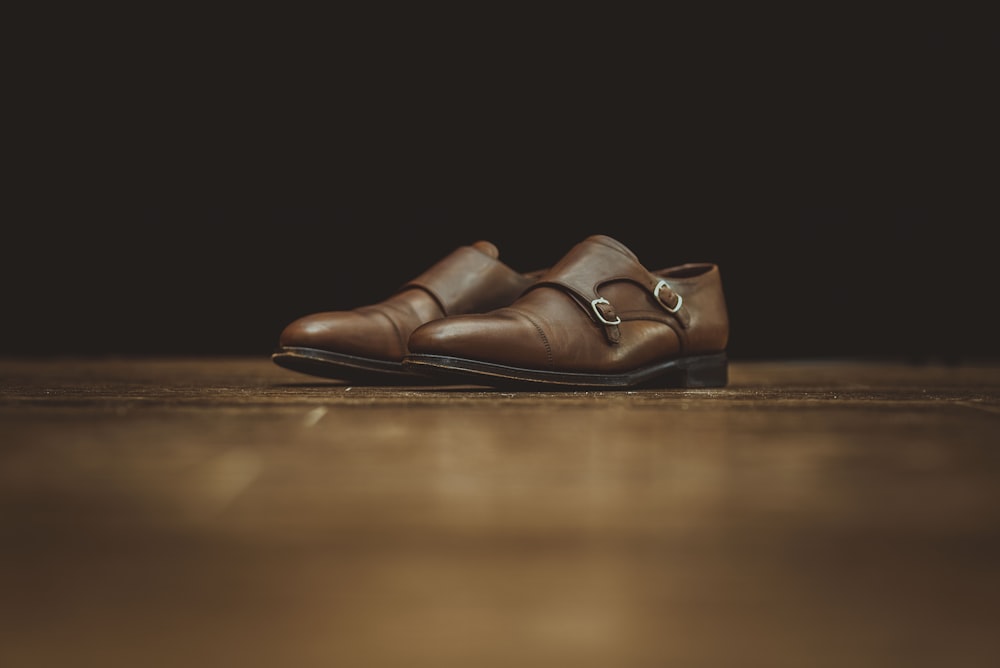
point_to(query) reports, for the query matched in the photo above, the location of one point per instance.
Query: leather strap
(575, 275)
(468, 280)
(670, 300)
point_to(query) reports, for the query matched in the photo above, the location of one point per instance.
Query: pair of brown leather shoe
(596, 319)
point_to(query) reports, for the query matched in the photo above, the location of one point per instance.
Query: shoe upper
(597, 310)
(470, 279)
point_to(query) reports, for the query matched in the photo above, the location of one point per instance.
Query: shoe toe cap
(345, 332)
(506, 338)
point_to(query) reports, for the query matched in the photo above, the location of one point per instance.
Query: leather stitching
(545, 339)
(395, 327)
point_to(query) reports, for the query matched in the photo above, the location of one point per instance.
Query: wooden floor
(226, 512)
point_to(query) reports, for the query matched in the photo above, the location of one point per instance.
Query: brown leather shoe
(367, 344)
(597, 319)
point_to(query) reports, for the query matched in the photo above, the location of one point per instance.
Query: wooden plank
(225, 511)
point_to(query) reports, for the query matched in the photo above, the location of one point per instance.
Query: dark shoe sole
(338, 366)
(694, 371)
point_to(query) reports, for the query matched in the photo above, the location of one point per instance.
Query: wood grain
(226, 512)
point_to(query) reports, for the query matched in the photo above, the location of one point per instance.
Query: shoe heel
(704, 371)
(708, 371)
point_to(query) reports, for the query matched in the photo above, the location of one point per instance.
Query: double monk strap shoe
(367, 344)
(597, 319)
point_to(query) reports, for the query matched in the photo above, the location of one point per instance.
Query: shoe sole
(684, 372)
(351, 368)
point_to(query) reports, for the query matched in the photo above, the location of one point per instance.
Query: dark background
(191, 189)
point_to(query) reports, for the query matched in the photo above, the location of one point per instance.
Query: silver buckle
(602, 300)
(656, 293)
